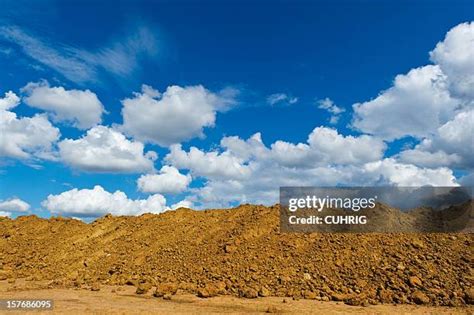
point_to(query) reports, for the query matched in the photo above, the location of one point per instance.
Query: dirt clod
(469, 296)
(310, 295)
(229, 248)
(263, 292)
(339, 297)
(143, 288)
(204, 293)
(165, 289)
(249, 293)
(420, 298)
(3, 275)
(415, 281)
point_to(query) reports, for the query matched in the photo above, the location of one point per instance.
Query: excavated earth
(239, 252)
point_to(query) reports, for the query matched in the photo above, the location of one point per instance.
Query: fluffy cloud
(324, 146)
(456, 136)
(455, 57)
(425, 98)
(182, 204)
(177, 115)
(248, 171)
(416, 105)
(335, 148)
(14, 205)
(207, 164)
(168, 181)
(26, 137)
(245, 149)
(9, 101)
(393, 172)
(90, 203)
(104, 149)
(81, 108)
(261, 186)
(281, 98)
(432, 103)
(452, 145)
(419, 156)
(241, 158)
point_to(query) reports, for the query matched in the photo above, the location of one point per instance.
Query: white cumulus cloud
(207, 164)
(451, 145)
(242, 171)
(168, 181)
(179, 114)
(183, 204)
(261, 186)
(324, 146)
(427, 97)
(420, 157)
(416, 105)
(332, 147)
(9, 101)
(90, 203)
(242, 158)
(455, 57)
(401, 174)
(81, 108)
(27, 137)
(14, 205)
(104, 149)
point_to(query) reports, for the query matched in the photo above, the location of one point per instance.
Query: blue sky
(242, 53)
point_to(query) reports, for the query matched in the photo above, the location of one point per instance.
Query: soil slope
(238, 252)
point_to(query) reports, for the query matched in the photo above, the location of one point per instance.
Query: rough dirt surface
(238, 252)
(124, 300)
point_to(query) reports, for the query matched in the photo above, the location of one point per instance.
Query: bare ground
(123, 300)
(229, 254)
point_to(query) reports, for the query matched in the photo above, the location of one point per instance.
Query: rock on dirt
(248, 293)
(212, 289)
(263, 292)
(143, 288)
(469, 295)
(415, 281)
(420, 298)
(165, 289)
(95, 287)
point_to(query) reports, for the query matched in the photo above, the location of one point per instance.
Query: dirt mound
(239, 252)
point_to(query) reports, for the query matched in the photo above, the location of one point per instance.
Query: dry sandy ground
(123, 300)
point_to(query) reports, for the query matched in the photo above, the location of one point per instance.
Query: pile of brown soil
(239, 252)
